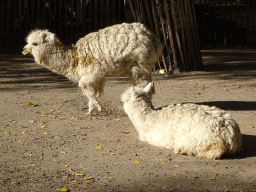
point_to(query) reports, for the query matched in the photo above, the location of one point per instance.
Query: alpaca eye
(35, 44)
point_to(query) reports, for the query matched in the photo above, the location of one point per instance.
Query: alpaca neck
(58, 59)
(140, 108)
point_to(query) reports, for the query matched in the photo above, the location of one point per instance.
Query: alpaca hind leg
(90, 93)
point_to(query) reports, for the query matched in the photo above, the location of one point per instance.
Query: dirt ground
(54, 146)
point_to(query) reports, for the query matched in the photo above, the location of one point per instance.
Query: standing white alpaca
(125, 48)
(191, 129)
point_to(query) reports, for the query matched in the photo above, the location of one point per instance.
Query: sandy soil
(53, 145)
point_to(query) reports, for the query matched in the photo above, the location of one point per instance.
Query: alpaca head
(37, 38)
(135, 92)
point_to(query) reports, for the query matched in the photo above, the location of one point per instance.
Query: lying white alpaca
(187, 128)
(125, 48)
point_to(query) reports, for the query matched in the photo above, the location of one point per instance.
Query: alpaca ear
(132, 92)
(149, 88)
(50, 38)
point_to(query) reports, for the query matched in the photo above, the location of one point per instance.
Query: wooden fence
(226, 23)
(69, 19)
(176, 22)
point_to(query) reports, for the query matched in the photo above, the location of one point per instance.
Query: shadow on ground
(232, 105)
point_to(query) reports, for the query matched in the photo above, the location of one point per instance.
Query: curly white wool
(125, 48)
(191, 129)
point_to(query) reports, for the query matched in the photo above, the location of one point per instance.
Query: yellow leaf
(63, 189)
(98, 147)
(53, 155)
(248, 126)
(175, 165)
(88, 178)
(42, 126)
(111, 177)
(32, 104)
(63, 152)
(30, 155)
(160, 160)
(225, 190)
(161, 71)
(106, 171)
(45, 133)
(117, 120)
(112, 154)
(23, 132)
(191, 80)
(20, 141)
(126, 132)
(27, 166)
(41, 115)
(79, 175)
(136, 162)
(25, 53)
(212, 178)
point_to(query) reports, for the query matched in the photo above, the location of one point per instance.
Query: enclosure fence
(183, 26)
(69, 19)
(226, 23)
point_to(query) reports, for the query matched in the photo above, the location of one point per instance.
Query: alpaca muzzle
(25, 51)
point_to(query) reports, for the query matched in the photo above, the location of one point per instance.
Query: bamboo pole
(173, 14)
(183, 36)
(164, 35)
(133, 10)
(170, 31)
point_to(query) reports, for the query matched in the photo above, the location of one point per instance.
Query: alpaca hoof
(88, 113)
(99, 108)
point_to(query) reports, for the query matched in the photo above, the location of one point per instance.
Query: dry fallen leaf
(160, 160)
(111, 177)
(29, 154)
(32, 104)
(116, 120)
(42, 126)
(136, 162)
(45, 133)
(161, 71)
(126, 132)
(249, 126)
(175, 165)
(63, 152)
(191, 80)
(212, 178)
(63, 189)
(98, 147)
(88, 178)
(25, 53)
(30, 166)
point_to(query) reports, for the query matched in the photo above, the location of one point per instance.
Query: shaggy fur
(126, 48)
(191, 129)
